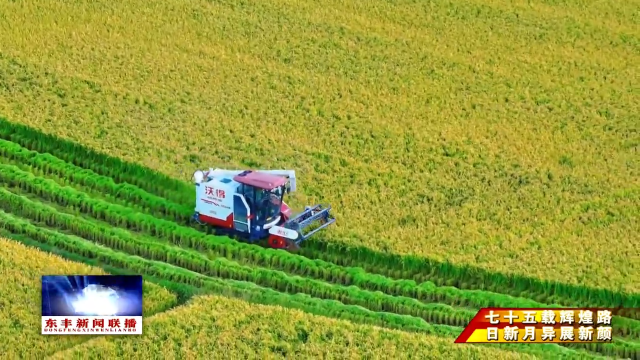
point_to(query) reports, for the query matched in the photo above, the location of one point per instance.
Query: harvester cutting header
(250, 204)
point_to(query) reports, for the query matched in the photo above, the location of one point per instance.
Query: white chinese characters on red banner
(539, 326)
(92, 325)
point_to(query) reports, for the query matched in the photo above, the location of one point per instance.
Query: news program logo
(91, 305)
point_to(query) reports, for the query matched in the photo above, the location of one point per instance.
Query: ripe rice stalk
(50, 187)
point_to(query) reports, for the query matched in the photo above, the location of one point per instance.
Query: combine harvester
(249, 205)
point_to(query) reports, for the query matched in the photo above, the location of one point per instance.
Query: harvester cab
(251, 204)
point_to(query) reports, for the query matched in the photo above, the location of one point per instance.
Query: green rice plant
(396, 266)
(464, 277)
(122, 240)
(50, 164)
(432, 133)
(120, 216)
(153, 268)
(119, 170)
(249, 291)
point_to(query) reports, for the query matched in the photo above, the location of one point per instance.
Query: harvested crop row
(395, 266)
(426, 291)
(119, 239)
(249, 291)
(305, 303)
(153, 268)
(444, 274)
(115, 168)
(122, 240)
(120, 216)
(50, 164)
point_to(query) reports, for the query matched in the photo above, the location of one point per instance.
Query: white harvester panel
(214, 198)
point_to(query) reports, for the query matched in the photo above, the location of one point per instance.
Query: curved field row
(248, 254)
(221, 267)
(151, 249)
(274, 331)
(399, 267)
(81, 250)
(50, 213)
(20, 310)
(138, 199)
(20, 322)
(97, 176)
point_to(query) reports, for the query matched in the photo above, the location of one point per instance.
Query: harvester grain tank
(250, 205)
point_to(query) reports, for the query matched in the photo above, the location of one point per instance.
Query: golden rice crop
(218, 327)
(484, 132)
(21, 268)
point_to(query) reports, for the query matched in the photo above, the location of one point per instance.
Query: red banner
(533, 325)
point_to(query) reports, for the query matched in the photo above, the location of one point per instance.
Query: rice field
(503, 150)
(491, 145)
(269, 332)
